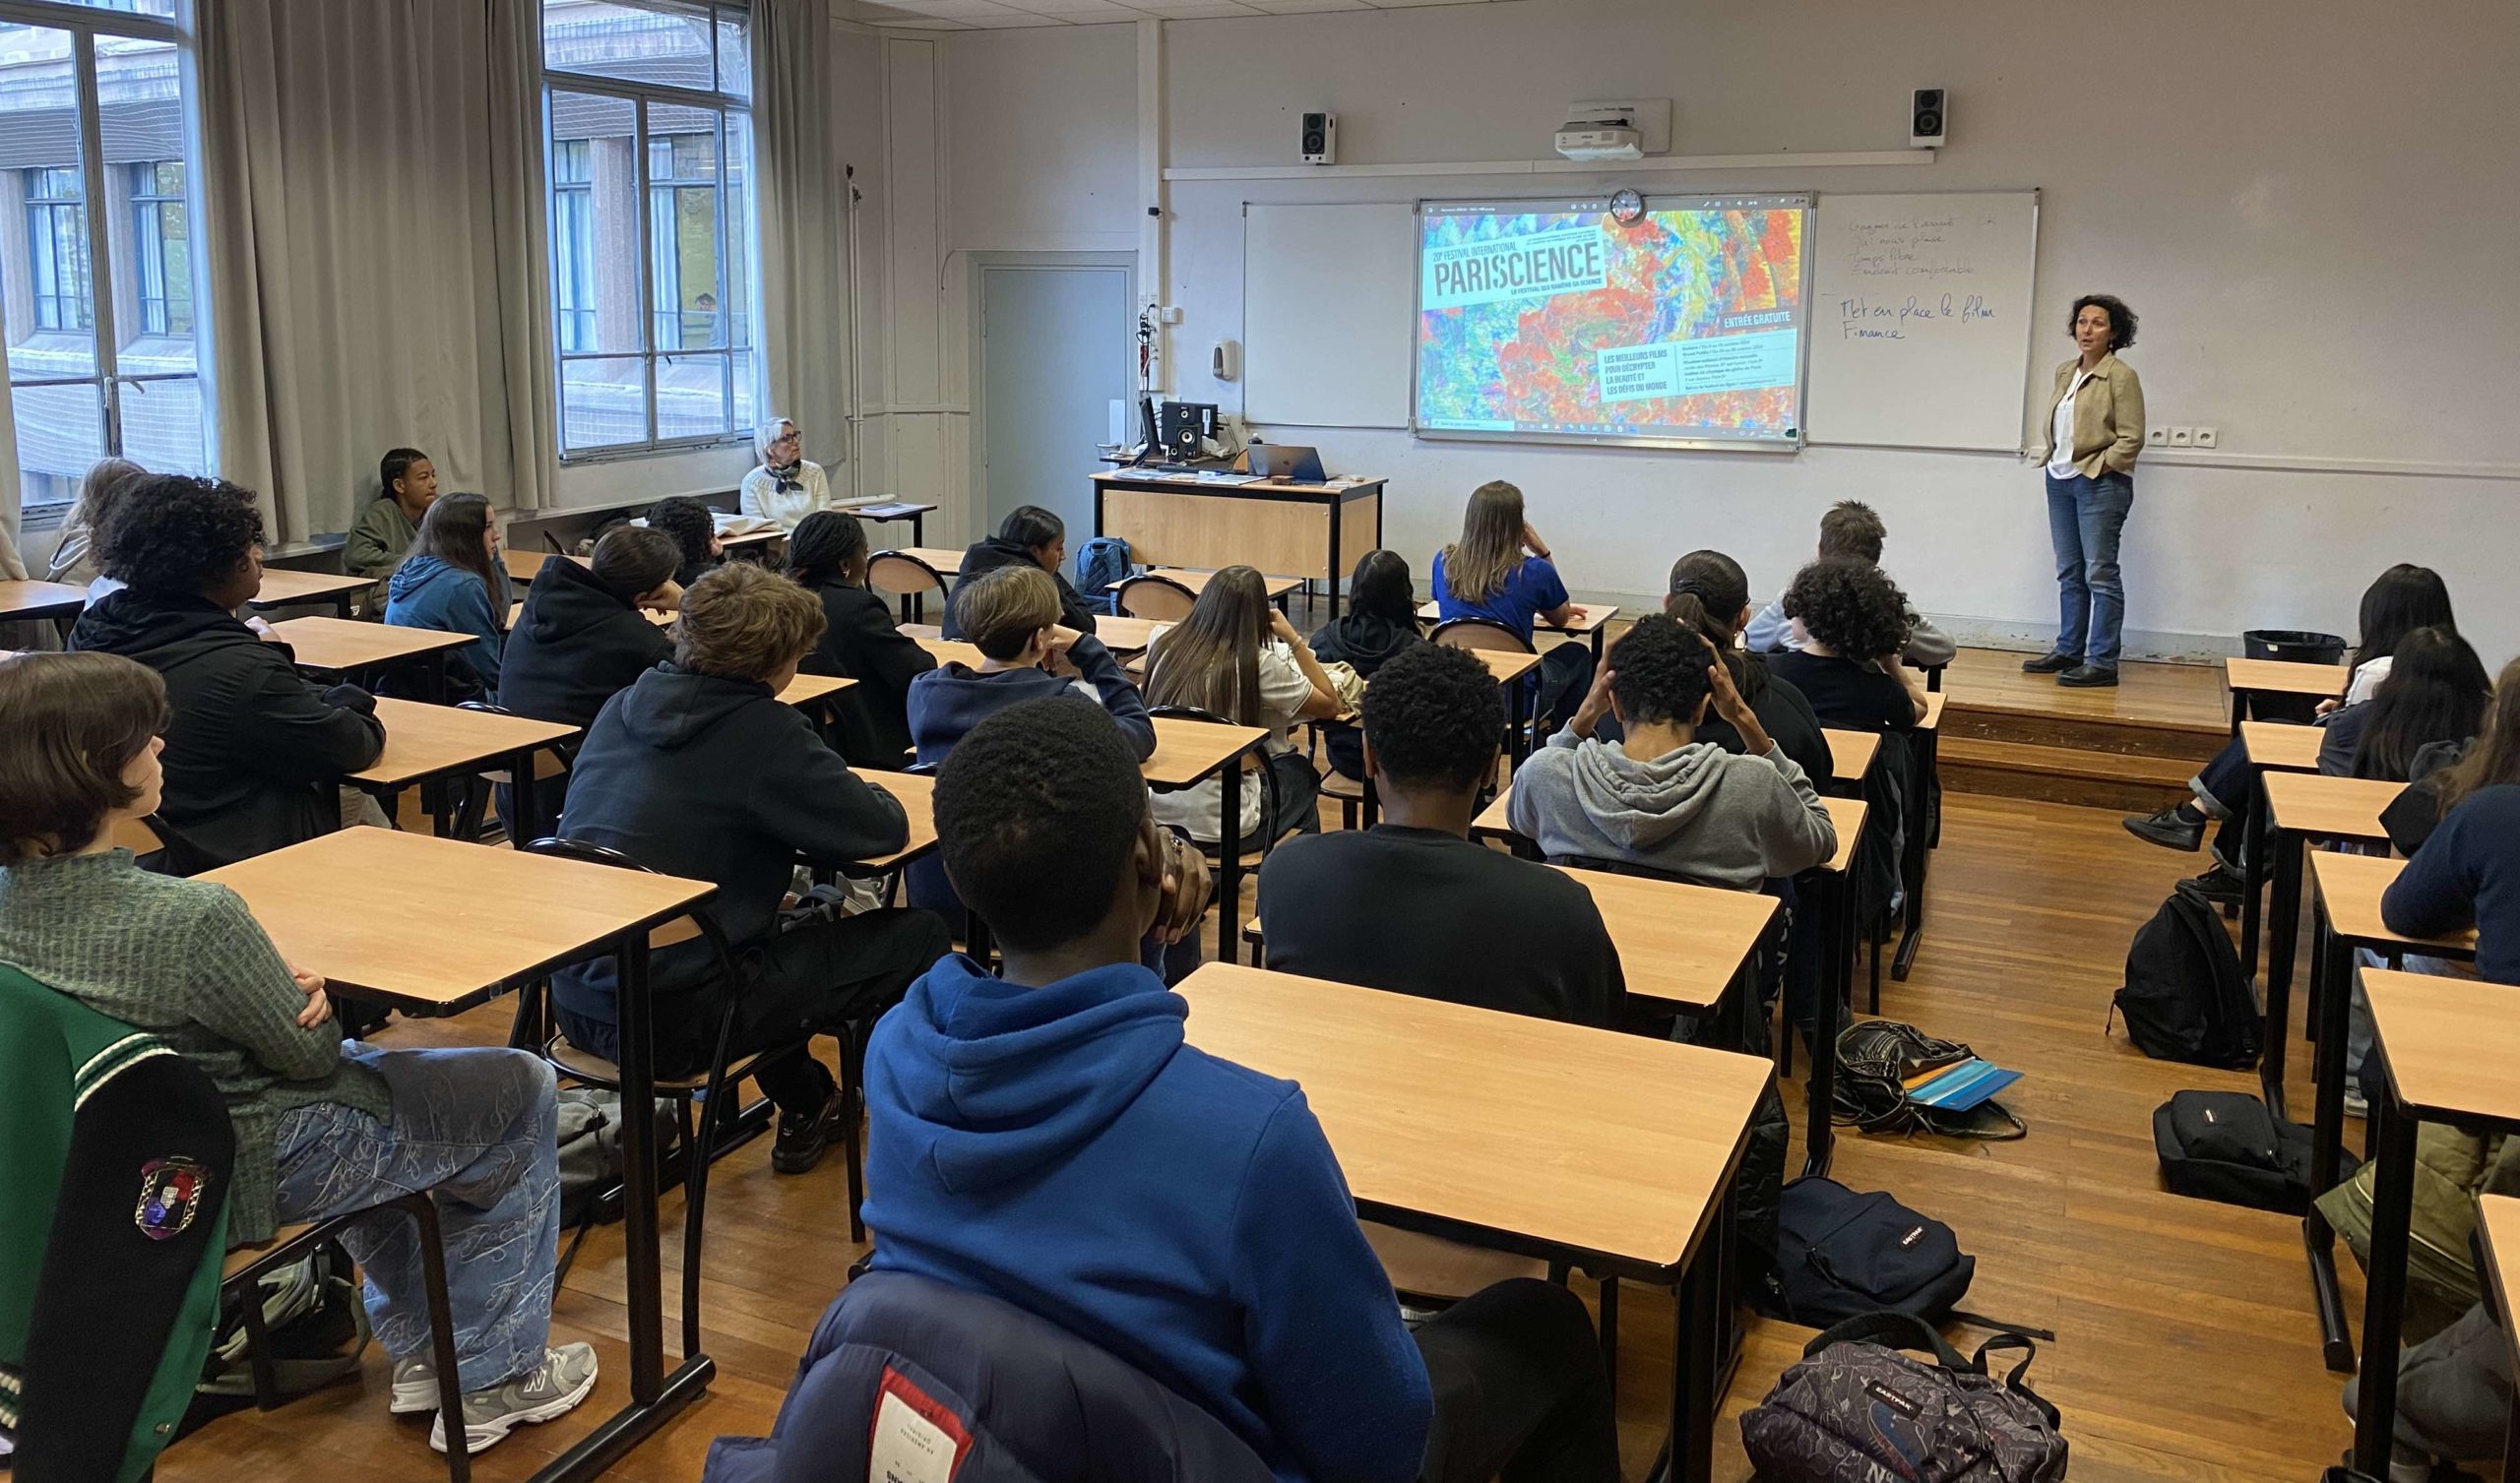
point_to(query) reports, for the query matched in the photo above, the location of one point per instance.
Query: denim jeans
(2084, 518)
(479, 1129)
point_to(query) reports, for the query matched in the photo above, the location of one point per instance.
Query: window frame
(725, 105)
(149, 252)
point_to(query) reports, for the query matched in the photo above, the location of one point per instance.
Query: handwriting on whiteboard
(1881, 319)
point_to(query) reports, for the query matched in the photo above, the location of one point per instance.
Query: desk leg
(1689, 1450)
(1520, 697)
(525, 824)
(2383, 1311)
(2252, 872)
(1819, 1083)
(2284, 925)
(434, 673)
(2331, 1002)
(2239, 712)
(1230, 861)
(1914, 861)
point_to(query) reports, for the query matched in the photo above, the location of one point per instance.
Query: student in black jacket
(827, 557)
(1380, 623)
(1853, 622)
(585, 635)
(1712, 594)
(699, 770)
(1029, 536)
(695, 530)
(1384, 906)
(255, 752)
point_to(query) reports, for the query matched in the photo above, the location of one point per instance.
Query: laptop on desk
(1286, 460)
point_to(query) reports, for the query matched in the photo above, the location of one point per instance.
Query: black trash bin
(2296, 646)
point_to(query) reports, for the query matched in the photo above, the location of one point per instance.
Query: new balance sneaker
(414, 1387)
(565, 1378)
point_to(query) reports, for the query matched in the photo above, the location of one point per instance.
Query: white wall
(2312, 205)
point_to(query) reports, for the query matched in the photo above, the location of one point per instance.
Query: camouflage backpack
(1857, 1410)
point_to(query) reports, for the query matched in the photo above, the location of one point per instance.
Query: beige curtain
(373, 204)
(803, 312)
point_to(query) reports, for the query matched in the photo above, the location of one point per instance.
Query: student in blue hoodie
(453, 582)
(1049, 1138)
(699, 770)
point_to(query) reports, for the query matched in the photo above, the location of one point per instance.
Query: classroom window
(99, 276)
(650, 145)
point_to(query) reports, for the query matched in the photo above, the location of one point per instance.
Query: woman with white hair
(785, 487)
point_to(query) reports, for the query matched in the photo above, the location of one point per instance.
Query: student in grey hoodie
(1660, 798)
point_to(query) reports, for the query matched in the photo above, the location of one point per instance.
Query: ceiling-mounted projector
(1615, 130)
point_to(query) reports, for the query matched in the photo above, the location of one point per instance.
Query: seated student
(582, 639)
(1029, 536)
(695, 530)
(256, 752)
(1385, 906)
(323, 1127)
(1012, 616)
(406, 485)
(2398, 601)
(827, 557)
(1379, 625)
(699, 770)
(1851, 531)
(1660, 798)
(1851, 621)
(2440, 775)
(1238, 657)
(1048, 1138)
(74, 559)
(1711, 593)
(2467, 875)
(1500, 570)
(2436, 694)
(453, 581)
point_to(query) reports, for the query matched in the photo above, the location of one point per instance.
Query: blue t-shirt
(1530, 590)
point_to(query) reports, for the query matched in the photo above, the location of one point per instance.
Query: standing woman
(786, 487)
(2094, 429)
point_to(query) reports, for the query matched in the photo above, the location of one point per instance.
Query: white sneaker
(2356, 1104)
(414, 1387)
(565, 1378)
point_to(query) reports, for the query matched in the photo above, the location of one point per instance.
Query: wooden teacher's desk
(1314, 531)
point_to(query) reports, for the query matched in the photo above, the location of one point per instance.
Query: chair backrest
(1158, 599)
(1054, 1407)
(694, 922)
(1479, 632)
(903, 575)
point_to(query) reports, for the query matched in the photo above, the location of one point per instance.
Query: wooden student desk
(944, 561)
(813, 689)
(1622, 1148)
(2299, 806)
(524, 566)
(2248, 679)
(917, 792)
(2349, 888)
(1924, 826)
(1278, 588)
(338, 646)
(282, 588)
(2449, 1048)
(1589, 620)
(2271, 745)
(1188, 753)
(467, 923)
(2498, 1231)
(1122, 635)
(58, 600)
(1310, 531)
(425, 742)
(894, 510)
(1851, 755)
(2282, 746)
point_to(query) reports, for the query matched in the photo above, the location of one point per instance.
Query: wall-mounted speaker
(1320, 142)
(1928, 117)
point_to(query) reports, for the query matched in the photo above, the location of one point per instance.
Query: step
(2186, 743)
(2130, 783)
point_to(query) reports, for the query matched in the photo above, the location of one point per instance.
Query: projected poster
(1549, 320)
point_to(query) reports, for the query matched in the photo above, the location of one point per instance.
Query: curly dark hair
(1037, 809)
(180, 537)
(1852, 606)
(1660, 671)
(1431, 714)
(2121, 320)
(690, 524)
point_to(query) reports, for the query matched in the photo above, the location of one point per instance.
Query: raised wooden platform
(2132, 748)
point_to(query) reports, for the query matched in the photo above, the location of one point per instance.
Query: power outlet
(2156, 437)
(2206, 437)
(2182, 437)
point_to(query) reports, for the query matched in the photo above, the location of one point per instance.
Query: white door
(1055, 355)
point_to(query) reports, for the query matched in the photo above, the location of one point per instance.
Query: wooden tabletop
(2284, 745)
(918, 795)
(2339, 808)
(891, 510)
(335, 645)
(1846, 816)
(423, 740)
(465, 918)
(1933, 719)
(1186, 751)
(948, 651)
(771, 536)
(2284, 677)
(1587, 617)
(947, 560)
(2350, 887)
(523, 565)
(806, 689)
(39, 599)
(1197, 582)
(1851, 753)
(2498, 1222)
(2452, 1045)
(1585, 1140)
(282, 585)
(1678, 945)
(1507, 664)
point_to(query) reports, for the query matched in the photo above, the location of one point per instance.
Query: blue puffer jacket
(428, 591)
(1038, 1403)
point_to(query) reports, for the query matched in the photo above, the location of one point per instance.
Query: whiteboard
(1327, 312)
(1920, 320)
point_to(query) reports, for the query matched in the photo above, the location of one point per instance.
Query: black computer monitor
(1181, 425)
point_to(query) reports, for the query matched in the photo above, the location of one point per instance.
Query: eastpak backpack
(2185, 999)
(1856, 1410)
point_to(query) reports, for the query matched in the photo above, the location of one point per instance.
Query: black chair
(907, 578)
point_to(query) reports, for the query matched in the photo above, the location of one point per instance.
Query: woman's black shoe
(2087, 677)
(2048, 664)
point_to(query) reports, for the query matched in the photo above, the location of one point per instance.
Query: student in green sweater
(406, 485)
(323, 1126)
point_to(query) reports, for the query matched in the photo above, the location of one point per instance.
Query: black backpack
(2185, 998)
(1840, 1255)
(1855, 1408)
(2227, 1146)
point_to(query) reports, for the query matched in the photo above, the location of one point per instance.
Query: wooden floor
(2186, 1347)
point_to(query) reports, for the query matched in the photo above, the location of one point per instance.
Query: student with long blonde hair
(1500, 570)
(1239, 658)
